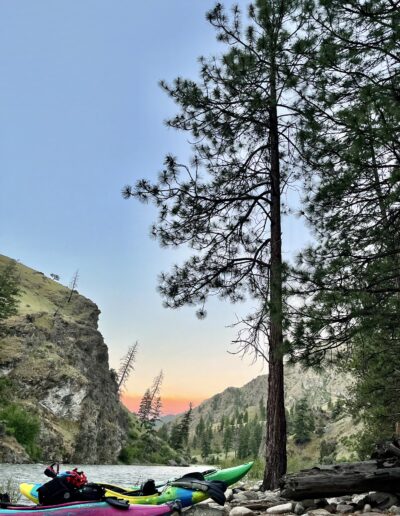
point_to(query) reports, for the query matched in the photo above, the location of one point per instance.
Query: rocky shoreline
(248, 500)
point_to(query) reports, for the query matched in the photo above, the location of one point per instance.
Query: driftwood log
(341, 479)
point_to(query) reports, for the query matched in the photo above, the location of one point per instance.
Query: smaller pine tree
(9, 290)
(303, 422)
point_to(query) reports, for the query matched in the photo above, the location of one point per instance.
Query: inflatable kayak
(168, 492)
(104, 508)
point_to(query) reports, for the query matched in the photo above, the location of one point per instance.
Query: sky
(82, 115)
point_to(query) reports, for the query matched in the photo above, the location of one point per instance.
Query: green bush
(23, 426)
(147, 449)
(5, 391)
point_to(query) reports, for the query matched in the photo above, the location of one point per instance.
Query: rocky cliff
(54, 369)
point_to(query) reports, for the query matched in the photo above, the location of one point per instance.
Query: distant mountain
(320, 389)
(324, 392)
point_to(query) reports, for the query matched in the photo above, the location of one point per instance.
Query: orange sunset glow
(170, 404)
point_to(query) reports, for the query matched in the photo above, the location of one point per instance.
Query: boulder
(382, 500)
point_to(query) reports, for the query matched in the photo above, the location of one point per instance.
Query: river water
(115, 474)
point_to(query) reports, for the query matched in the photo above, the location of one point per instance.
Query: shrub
(23, 426)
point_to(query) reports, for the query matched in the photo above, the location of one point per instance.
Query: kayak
(87, 509)
(167, 493)
(228, 475)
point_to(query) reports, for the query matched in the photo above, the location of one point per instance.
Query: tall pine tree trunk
(276, 419)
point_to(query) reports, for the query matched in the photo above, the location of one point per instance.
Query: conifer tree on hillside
(350, 141)
(9, 290)
(244, 441)
(180, 430)
(145, 408)
(150, 406)
(127, 366)
(226, 204)
(163, 432)
(185, 425)
(303, 423)
(255, 437)
(227, 440)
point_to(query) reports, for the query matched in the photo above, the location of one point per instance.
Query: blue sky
(81, 116)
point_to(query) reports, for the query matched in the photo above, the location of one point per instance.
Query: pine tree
(200, 428)
(127, 366)
(163, 433)
(145, 408)
(227, 203)
(227, 440)
(350, 140)
(175, 437)
(150, 406)
(155, 412)
(185, 425)
(244, 442)
(9, 290)
(303, 422)
(206, 441)
(255, 438)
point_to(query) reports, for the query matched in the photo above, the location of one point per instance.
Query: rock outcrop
(56, 365)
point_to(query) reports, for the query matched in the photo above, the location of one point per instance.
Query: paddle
(214, 488)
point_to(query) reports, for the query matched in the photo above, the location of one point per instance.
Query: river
(115, 474)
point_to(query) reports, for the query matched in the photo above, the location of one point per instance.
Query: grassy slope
(40, 294)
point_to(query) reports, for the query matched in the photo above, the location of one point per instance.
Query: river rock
(367, 508)
(318, 512)
(239, 497)
(359, 498)
(270, 496)
(299, 509)
(382, 500)
(229, 495)
(309, 504)
(250, 495)
(394, 509)
(343, 508)
(240, 511)
(259, 505)
(281, 509)
(207, 510)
